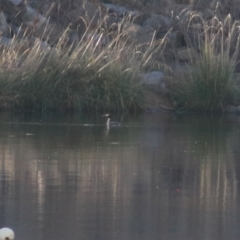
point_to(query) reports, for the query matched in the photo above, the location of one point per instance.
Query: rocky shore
(171, 30)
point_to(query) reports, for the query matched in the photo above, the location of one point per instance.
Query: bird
(6, 234)
(110, 123)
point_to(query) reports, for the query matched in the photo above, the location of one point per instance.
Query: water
(159, 176)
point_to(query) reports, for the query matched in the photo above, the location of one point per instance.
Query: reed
(99, 73)
(209, 84)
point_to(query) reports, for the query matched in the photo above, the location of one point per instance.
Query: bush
(210, 85)
(93, 75)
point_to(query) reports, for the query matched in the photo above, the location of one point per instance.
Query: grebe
(6, 234)
(110, 123)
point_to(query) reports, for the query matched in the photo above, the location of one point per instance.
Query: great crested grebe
(110, 123)
(6, 234)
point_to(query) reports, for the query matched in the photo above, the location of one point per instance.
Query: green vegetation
(98, 69)
(92, 75)
(209, 85)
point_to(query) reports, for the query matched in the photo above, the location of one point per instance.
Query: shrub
(93, 75)
(209, 85)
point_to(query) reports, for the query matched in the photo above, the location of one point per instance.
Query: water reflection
(157, 177)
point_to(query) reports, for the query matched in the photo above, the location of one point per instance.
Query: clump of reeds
(100, 72)
(209, 84)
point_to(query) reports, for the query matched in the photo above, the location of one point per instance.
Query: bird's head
(6, 234)
(107, 115)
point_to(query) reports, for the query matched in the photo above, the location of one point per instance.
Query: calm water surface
(159, 176)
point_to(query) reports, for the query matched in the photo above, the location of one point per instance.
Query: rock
(116, 9)
(15, 13)
(157, 22)
(131, 15)
(77, 20)
(139, 18)
(89, 12)
(111, 22)
(33, 18)
(183, 1)
(187, 54)
(6, 42)
(153, 78)
(4, 28)
(232, 109)
(16, 2)
(139, 35)
(179, 10)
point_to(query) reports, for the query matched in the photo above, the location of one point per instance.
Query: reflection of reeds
(209, 155)
(178, 175)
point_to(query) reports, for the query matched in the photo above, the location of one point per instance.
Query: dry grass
(100, 73)
(143, 4)
(210, 85)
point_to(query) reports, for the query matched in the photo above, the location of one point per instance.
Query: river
(159, 176)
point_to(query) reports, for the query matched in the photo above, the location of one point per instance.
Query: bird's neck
(108, 122)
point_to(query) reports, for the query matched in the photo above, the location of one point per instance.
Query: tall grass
(209, 85)
(99, 73)
(142, 4)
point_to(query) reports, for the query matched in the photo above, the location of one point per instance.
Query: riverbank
(96, 56)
